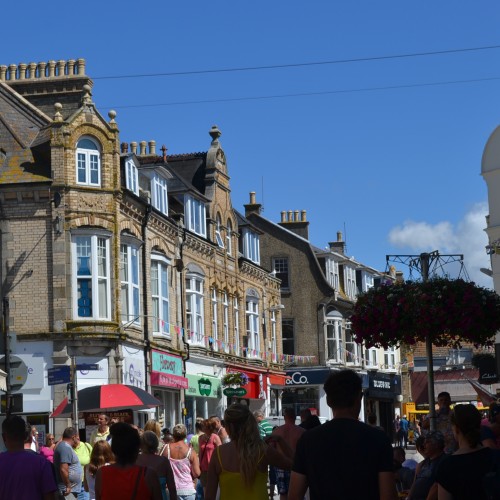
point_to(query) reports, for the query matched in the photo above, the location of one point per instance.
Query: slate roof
(23, 131)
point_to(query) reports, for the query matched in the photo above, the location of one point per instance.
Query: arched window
(218, 232)
(88, 162)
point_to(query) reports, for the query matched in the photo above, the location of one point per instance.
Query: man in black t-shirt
(343, 458)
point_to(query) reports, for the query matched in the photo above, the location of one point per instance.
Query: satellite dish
(57, 199)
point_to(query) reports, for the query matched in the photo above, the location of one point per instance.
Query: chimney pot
(303, 214)
(42, 68)
(32, 70)
(142, 146)
(290, 216)
(133, 147)
(61, 64)
(81, 66)
(283, 216)
(12, 71)
(152, 147)
(339, 236)
(124, 147)
(52, 69)
(22, 71)
(252, 197)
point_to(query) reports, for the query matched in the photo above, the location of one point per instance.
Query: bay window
(91, 276)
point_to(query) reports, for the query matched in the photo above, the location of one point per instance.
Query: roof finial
(164, 151)
(58, 116)
(215, 133)
(87, 96)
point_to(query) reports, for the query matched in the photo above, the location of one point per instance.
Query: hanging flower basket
(234, 379)
(450, 311)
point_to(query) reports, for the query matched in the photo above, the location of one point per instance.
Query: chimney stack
(295, 221)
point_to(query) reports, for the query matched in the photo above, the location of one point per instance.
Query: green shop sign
(235, 391)
(203, 386)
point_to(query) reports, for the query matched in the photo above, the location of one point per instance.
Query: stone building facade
(119, 256)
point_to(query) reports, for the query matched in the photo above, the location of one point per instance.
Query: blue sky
(398, 168)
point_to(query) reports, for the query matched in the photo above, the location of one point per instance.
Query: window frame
(252, 320)
(88, 161)
(162, 297)
(286, 325)
(229, 237)
(352, 348)
(195, 314)
(225, 320)
(131, 283)
(132, 176)
(159, 193)
(276, 262)
(334, 338)
(195, 215)
(251, 245)
(218, 231)
(96, 280)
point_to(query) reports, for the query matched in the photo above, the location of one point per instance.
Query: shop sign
(234, 391)
(166, 363)
(166, 380)
(203, 386)
(307, 377)
(120, 416)
(384, 385)
(133, 370)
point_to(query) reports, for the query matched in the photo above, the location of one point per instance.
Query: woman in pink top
(48, 450)
(207, 443)
(184, 463)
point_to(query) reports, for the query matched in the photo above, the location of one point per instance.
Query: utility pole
(425, 264)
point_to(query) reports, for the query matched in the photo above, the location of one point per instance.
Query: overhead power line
(304, 94)
(298, 65)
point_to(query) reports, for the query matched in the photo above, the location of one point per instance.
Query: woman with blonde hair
(48, 449)
(101, 455)
(239, 468)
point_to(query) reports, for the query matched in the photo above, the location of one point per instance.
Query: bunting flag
(209, 341)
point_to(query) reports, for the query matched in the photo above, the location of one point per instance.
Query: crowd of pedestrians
(243, 457)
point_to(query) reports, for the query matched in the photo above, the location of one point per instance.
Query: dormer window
(159, 193)
(195, 215)
(251, 246)
(131, 177)
(88, 162)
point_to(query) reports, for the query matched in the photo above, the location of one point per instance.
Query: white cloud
(467, 237)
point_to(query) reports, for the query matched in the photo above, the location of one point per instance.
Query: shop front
(304, 389)
(203, 398)
(167, 381)
(381, 391)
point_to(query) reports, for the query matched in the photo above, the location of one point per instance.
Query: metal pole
(74, 392)
(424, 265)
(5, 330)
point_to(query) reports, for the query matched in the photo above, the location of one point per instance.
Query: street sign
(59, 375)
(85, 367)
(236, 391)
